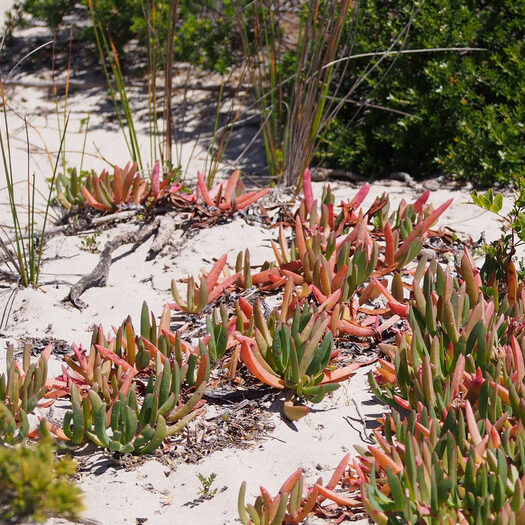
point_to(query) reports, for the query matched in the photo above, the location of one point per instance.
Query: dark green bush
(205, 32)
(461, 113)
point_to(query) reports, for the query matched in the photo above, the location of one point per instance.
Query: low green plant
(442, 476)
(499, 254)
(90, 243)
(335, 254)
(106, 193)
(228, 196)
(206, 483)
(35, 486)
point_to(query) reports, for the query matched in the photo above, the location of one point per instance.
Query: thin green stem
(48, 203)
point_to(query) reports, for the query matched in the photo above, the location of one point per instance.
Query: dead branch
(99, 275)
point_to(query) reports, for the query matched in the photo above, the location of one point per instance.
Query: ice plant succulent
(228, 196)
(105, 193)
(294, 356)
(459, 452)
(22, 389)
(133, 390)
(129, 423)
(69, 188)
(294, 501)
(209, 289)
(126, 186)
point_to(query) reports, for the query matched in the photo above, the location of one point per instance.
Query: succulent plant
(454, 374)
(113, 407)
(452, 450)
(294, 356)
(294, 501)
(228, 196)
(220, 335)
(21, 391)
(107, 192)
(127, 424)
(209, 290)
(459, 452)
(69, 188)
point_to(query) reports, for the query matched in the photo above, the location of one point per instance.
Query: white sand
(5, 5)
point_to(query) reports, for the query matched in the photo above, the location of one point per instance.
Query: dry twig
(99, 275)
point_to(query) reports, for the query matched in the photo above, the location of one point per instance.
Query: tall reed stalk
(62, 115)
(116, 86)
(168, 79)
(165, 139)
(294, 109)
(28, 244)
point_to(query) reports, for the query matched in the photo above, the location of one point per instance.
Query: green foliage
(294, 501)
(33, 485)
(457, 112)
(499, 253)
(515, 219)
(205, 31)
(51, 11)
(293, 356)
(272, 511)
(488, 201)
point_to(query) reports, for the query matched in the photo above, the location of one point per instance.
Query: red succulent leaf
(307, 190)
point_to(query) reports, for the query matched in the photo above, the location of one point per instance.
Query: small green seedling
(206, 482)
(90, 243)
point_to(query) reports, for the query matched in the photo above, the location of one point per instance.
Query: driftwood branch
(95, 221)
(99, 275)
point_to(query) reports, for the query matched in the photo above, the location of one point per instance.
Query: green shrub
(205, 31)
(51, 11)
(461, 113)
(33, 485)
